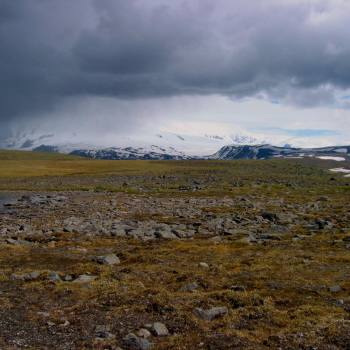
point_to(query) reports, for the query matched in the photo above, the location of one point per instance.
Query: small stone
(159, 329)
(143, 333)
(85, 279)
(103, 331)
(204, 265)
(68, 278)
(54, 276)
(210, 314)
(110, 259)
(132, 341)
(66, 323)
(165, 234)
(189, 287)
(33, 275)
(335, 289)
(269, 216)
(26, 276)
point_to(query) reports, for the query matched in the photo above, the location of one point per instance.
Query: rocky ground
(209, 261)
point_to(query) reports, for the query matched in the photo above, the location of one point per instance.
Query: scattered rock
(269, 216)
(165, 234)
(159, 329)
(133, 342)
(204, 265)
(68, 278)
(144, 333)
(26, 276)
(103, 331)
(323, 224)
(66, 323)
(110, 259)
(85, 279)
(335, 289)
(54, 276)
(189, 287)
(210, 314)
(18, 242)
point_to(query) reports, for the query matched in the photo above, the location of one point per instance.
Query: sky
(278, 70)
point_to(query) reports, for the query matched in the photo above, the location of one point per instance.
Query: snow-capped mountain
(130, 153)
(338, 153)
(165, 145)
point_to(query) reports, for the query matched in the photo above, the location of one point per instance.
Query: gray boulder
(190, 287)
(109, 259)
(144, 333)
(85, 279)
(103, 332)
(165, 234)
(133, 342)
(54, 276)
(335, 289)
(210, 314)
(31, 276)
(159, 329)
(203, 265)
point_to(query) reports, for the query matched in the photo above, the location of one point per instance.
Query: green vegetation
(51, 171)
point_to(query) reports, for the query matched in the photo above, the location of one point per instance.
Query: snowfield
(337, 159)
(341, 170)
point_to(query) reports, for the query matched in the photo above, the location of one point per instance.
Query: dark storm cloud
(297, 51)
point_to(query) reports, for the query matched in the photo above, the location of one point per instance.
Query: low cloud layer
(290, 52)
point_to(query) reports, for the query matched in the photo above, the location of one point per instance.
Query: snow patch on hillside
(337, 159)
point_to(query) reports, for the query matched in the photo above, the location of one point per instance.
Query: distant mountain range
(170, 142)
(165, 145)
(171, 146)
(116, 153)
(337, 153)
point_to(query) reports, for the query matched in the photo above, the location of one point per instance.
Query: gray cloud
(295, 51)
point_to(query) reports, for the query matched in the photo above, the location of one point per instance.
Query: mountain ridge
(229, 152)
(267, 151)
